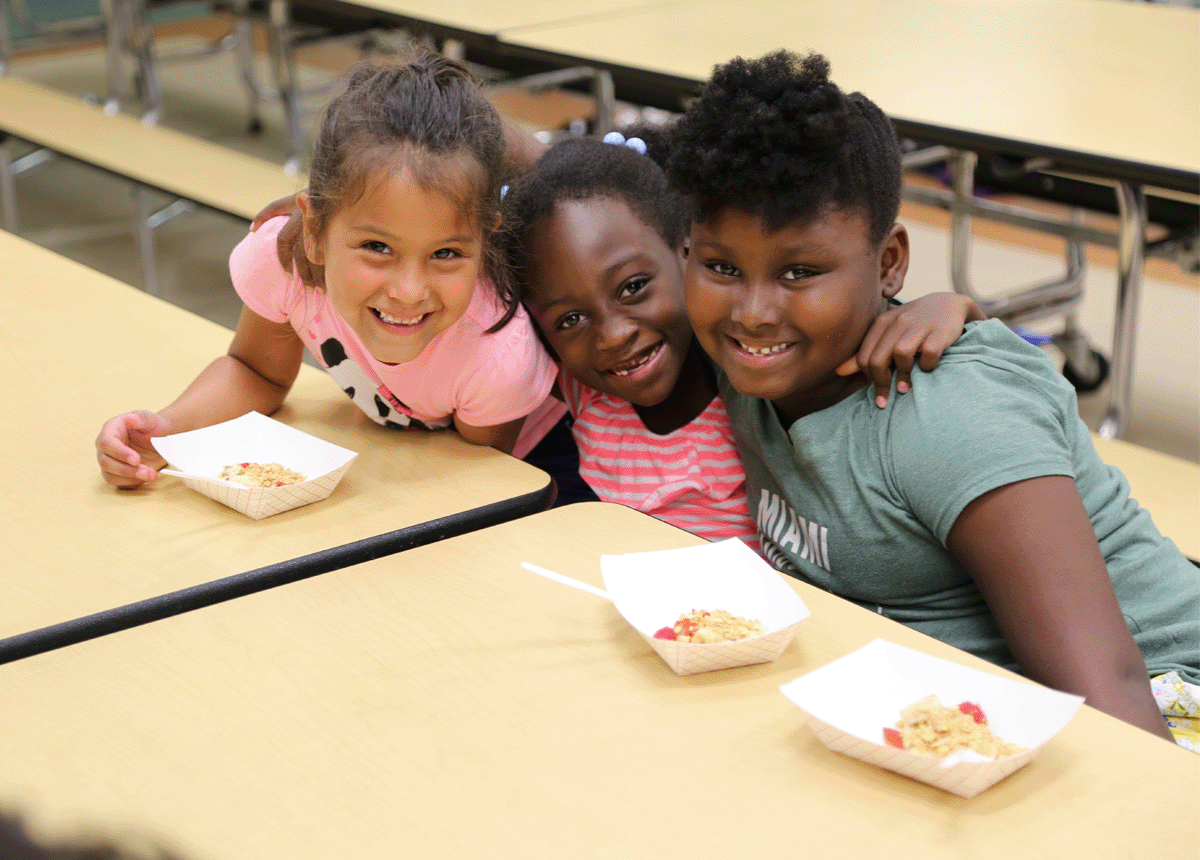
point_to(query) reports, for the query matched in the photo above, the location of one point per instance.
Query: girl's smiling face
(400, 262)
(779, 311)
(607, 292)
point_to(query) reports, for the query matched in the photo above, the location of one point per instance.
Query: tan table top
(443, 702)
(490, 18)
(207, 173)
(1113, 80)
(79, 347)
(1168, 487)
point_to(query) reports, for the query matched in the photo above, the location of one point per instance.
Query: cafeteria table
(1107, 90)
(1166, 486)
(289, 23)
(444, 702)
(479, 18)
(83, 558)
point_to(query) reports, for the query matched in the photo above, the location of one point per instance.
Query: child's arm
(502, 437)
(522, 150)
(255, 375)
(1032, 551)
(924, 326)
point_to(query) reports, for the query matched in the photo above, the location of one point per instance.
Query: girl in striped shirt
(596, 240)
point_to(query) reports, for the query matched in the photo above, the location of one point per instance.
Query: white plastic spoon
(566, 580)
(208, 478)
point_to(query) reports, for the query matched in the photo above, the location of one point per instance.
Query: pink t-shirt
(484, 378)
(691, 478)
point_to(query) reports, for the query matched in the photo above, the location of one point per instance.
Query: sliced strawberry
(973, 711)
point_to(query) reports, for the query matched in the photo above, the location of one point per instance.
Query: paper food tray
(851, 700)
(255, 438)
(652, 589)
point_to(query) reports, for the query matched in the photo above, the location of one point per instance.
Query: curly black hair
(775, 137)
(16, 843)
(583, 169)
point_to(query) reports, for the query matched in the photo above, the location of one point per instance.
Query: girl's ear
(312, 239)
(893, 261)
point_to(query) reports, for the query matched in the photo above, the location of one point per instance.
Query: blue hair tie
(503, 191)
(635, 143)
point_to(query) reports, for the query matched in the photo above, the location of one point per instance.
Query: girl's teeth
(640, 363)
(766, 350)
(630, 370)
(388, 318)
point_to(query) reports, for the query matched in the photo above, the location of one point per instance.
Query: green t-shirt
(859, 501)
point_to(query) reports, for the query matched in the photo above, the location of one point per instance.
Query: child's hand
(924, 327)
(282, 206)
(290, 246)
(290, 249)
(127, 459)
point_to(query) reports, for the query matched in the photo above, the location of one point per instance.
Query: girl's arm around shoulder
(508, 376)
(513, 378)
(1032, 551)
(502, 437)
(255, 375)
(289, 244)
(522, 150)
(274, 209)
(923, 327)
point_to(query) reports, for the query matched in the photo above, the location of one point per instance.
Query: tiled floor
(85, 215)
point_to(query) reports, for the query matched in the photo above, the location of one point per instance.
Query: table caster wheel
(1090, 378)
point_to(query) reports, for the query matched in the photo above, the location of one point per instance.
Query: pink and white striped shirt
(691, 478)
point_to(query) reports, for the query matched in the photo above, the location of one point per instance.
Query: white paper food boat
(255, 438)
(652, 589)
(851, 700)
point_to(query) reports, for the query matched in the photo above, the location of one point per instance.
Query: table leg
(284, 63)
(1131, 246)
(145, 238)
(244, 31)
(142, 34)
(5, 36)
(606, 101)
(8, 194)
(115, 13)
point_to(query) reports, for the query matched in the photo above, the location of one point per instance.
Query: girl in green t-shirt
(975, 508)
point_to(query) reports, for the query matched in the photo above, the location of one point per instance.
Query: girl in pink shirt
(595, 238)
(406, 300)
